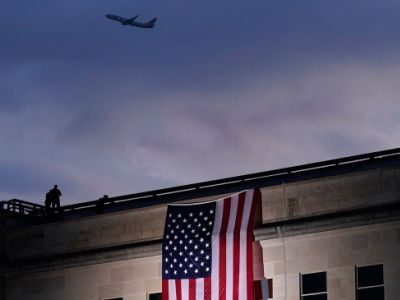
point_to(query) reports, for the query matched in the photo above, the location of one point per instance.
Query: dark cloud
(215, 89)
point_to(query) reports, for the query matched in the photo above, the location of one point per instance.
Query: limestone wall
(131, 279)
(337, 252)
(331, 194)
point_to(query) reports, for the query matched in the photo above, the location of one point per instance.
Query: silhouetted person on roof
(55, 195)
(47, 203)
(100, 204)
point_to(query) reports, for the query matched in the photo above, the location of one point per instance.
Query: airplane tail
(152, 21)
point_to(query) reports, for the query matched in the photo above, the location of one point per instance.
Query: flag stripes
(231, 276)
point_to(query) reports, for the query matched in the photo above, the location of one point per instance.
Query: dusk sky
(217, 89)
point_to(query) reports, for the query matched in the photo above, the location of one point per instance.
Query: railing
(22, 207)
(268, 175)
(98, 206)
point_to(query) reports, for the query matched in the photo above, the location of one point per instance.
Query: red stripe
(178, 289)
(192, 289)
(222, 249)
(207, 288)
(250, 239)
(236, 246)
(165, 289)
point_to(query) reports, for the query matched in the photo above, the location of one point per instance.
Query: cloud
(216, 89)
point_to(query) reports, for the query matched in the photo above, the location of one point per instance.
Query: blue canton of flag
(187, 241)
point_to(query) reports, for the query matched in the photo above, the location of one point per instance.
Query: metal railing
(22, 207)
(272, 177)
(263, 176)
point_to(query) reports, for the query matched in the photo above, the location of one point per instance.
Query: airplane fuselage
(132, 22)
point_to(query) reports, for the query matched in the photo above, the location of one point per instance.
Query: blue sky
(216, 89)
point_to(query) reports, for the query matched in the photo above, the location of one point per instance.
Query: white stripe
(229, 247)
(171, 289)
(219, 209)
(200, 289)
(243, 246)
(185, 289)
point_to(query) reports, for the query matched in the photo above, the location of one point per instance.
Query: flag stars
(187, 242)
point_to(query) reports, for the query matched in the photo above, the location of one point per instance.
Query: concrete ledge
(329, 221)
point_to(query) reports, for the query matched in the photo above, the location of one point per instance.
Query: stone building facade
(330, 230)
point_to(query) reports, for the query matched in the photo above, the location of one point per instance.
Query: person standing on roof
(55, 195)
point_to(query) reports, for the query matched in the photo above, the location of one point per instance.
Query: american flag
(207, 249)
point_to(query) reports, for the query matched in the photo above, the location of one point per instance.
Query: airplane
(132, 22)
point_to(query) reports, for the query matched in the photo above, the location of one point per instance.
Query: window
(369, 283)
(313, 286)
(155, 296)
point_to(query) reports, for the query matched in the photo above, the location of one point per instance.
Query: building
(330, 230)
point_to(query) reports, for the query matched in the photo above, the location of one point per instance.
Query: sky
(217, 89)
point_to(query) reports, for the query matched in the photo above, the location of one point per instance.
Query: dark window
(155, 296)
(114, 299)
(313, 286)
(369, 283)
